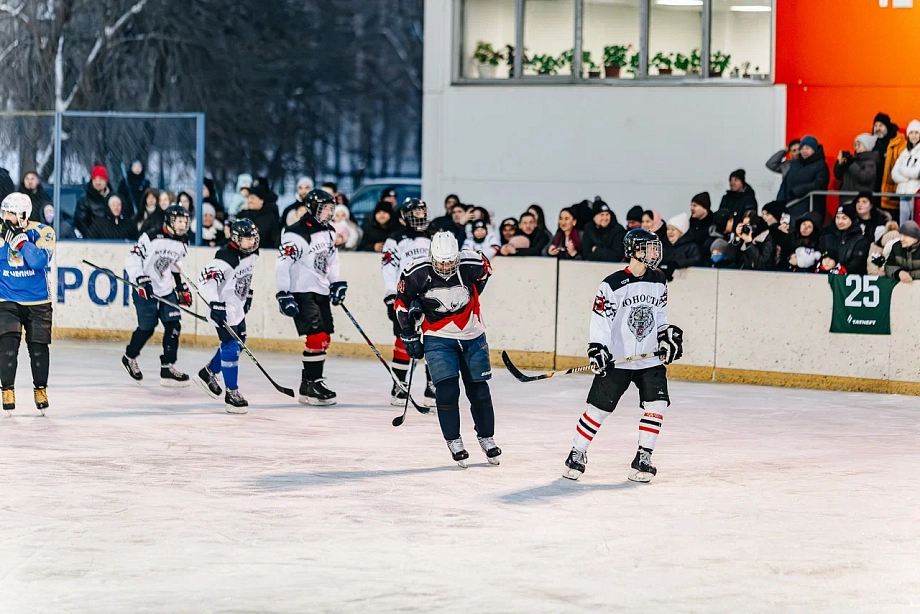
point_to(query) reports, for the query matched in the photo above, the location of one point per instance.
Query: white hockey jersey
(628, 313)
(400, 250)
(157, 256)
(308, 260)
(488, 247)
(227, 279)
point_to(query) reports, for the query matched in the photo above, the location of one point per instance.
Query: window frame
(642, 78)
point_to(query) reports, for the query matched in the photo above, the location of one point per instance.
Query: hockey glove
(287, 304)
(248, 304)
(337, 292)
(14, 236)
(414, 346)
(218, 314)
(598, 358)
(185, 295)
(389, 301)
(145, 291)
(670, 344)
(878, 260)
(416, 314)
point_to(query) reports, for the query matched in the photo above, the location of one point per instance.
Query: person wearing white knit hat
(683, 251)
(906, 171)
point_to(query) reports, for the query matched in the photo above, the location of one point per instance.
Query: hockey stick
(400, 419)
(532, 378)
(232, 333)
(399, 384)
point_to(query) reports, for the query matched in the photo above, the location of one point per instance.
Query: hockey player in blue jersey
(26, 249)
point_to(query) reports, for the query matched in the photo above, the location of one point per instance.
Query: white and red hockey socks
(587, 427)
(650, 424)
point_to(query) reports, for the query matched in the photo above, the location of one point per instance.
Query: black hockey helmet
(320, 204)
(244, 229)
(647, 243)
(172, 217)
(414, 213)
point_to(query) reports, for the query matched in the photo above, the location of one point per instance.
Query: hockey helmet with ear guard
(19, 205)
(414, 213)
(320, 204)
(647, 243)
(445, 254)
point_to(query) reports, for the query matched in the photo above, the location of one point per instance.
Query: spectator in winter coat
(701, 219)
(723, 225)
(293, 212)
(212, 229)
(903, 263)
(7, 186)
(859, 172)
(906, 171)
(868, 217)
(889, 146)
(777, 220)
(149, 206)
(348, 234)
(880, 249)
(446, 222)
(652, 222)
(829, 264)
(751, 246)
(31, 186)
(847, 238)
(566, 244)
(209, 195)
(634, 218)
(717, 257)
(264, 215)
(602, 240)
(113, 225)
(132, 188)
(740, 196)
(94, 202)
(481, 239)
(782, 159)
(508, 229)
(583, 213)
(684, 252)
(378, 227)
(537, 211)
(807, 174)
(66, 230)
(806, 237)
(243, 183)
(537, 241)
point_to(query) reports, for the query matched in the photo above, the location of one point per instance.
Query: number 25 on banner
(865, 286)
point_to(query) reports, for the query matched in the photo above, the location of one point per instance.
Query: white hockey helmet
(19, 205)
(445, 254)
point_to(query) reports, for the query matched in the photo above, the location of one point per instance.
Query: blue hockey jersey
(24, 274)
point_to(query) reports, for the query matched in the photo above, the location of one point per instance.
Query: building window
(488, 28)
(742, 31)
(675, 37)
(549, 37)
(610, 34)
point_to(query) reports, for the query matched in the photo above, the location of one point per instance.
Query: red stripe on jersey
(460, 320)
(649, 429)
(584, 434)
(597, 424)
(399, 305)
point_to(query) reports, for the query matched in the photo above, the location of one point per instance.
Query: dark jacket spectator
(903, 262)
(112, 225)
(31, 185)
(772, 213)
(723, 224)
(846, 237)
(583, 213)
(634, 218)
(264, 214)
(210, 195)
(868, 216)
(701, 219)
(7, 186)
(782, 159)
(740, 196)
(149, 206)
(751, 247)
(65, 230)
(132, 188)
(377, 227)
(455, 222)
(807, 174)
(566, 244)
(537, 240)
(602, 240)
(94, 202)
(858, 172)
(683, 252)
(538, 214)
(508, 229)
(805, 243)
(717, 257)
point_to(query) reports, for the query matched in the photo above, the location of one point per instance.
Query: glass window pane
(741, 33)
(488, 34)
(675, 37)
(610, 34)
(549, 36)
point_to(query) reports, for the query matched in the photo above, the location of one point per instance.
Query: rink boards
(740, 326)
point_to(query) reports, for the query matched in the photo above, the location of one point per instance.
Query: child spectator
(347, 233)
(829, 264)
(805, 239)
(717, 254)
(847, 238)
(482, 240)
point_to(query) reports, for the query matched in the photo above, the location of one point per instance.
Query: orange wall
(843, 61)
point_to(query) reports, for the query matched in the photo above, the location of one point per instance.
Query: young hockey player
(446, 288)
(403, 248)
(25, 297)
(307, 273)
(226, 285)
(154, 264)
(629, 318)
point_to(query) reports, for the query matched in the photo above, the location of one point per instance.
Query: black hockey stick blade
(398, 420)
(513, 370)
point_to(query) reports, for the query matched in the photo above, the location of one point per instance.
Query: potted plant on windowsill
(546, 64)
(696, 63)
(633, 64)
(746, 70)
(487, 59)
(567, 58)
(664, 62)
(682, 63)
(615, 58)
(718, 62)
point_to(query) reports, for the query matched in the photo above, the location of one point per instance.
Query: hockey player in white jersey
(154, 264)
(629, 318)
(307, 273)
(226, 285)
(404, 247)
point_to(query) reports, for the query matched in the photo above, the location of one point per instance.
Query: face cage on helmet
(414, 222)
(236, 239)
(324, 212)
(452, 266)
(172, 220)
(645, 247)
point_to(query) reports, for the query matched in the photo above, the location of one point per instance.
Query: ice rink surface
(134, 498)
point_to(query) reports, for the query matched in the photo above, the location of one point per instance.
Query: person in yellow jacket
(889, 146)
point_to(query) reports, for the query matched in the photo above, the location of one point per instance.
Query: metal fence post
(199, 173)
(58, 174)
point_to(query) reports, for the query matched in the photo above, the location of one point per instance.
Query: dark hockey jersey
(451, 305)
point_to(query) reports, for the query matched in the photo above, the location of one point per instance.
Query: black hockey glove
(248, 304)
(14, 236)
(287, 304)
(185, 295)
(878, 260)
(598, 358)
(337, 292)
(670, 344)
(416, 314)
(218, 314)
(389, 300)
(414, 346)
(145, 291)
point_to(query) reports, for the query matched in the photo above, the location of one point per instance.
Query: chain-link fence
(27, 144)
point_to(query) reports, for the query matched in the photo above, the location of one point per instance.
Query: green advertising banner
(862, 304)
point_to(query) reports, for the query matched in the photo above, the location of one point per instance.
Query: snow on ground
(134, 498)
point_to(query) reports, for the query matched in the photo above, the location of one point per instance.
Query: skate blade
(41, 410)
(494, 461)
(136, 381)
(9, 413)
(572, 474)
(640, 476)
(397, 402)
(462, 463)
(237, 410)
(305, 400)
(171, 383)
(204, 386)
(430, 403)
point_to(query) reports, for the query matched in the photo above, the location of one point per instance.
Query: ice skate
(458, 451)
(40, 395)
(170, 377)
(397, 396)
(207, 380)
(642, 469)
(430, 399)
(575, 464)
(236, 404)
(9, 401)
(315, 393)
(492, 451)
(130, 365)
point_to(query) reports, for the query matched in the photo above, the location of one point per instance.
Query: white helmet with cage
(445, 254)
(18, 204)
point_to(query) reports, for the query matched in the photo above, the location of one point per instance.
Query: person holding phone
(751, 246)
(779, 222)
(566, 244)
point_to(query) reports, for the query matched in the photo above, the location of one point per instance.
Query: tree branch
(8, 50)
(14, 11)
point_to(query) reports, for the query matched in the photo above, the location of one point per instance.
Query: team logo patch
(162, 265)
(401, 286)
(603, 308)
(212, 275)
(242, 287)
(449, 300)
(387, 258)
(289, 250)
(321, 262)
(641, 321)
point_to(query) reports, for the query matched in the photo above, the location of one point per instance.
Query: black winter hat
(259, 190)
(848, 210)
(703, 200)
(831, 252)
(388, 193)
(635, 214)
(384, 205)
(599, 206)
(740, 174)
(882, 117)
(865, 194)
(775, 208)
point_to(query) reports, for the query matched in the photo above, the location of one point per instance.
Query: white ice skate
(492, 451)
(458, 451)
(641, 469)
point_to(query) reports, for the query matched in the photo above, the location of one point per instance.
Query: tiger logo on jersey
(241, 289)
(640, 321)
(162, 265)
(321, 262)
